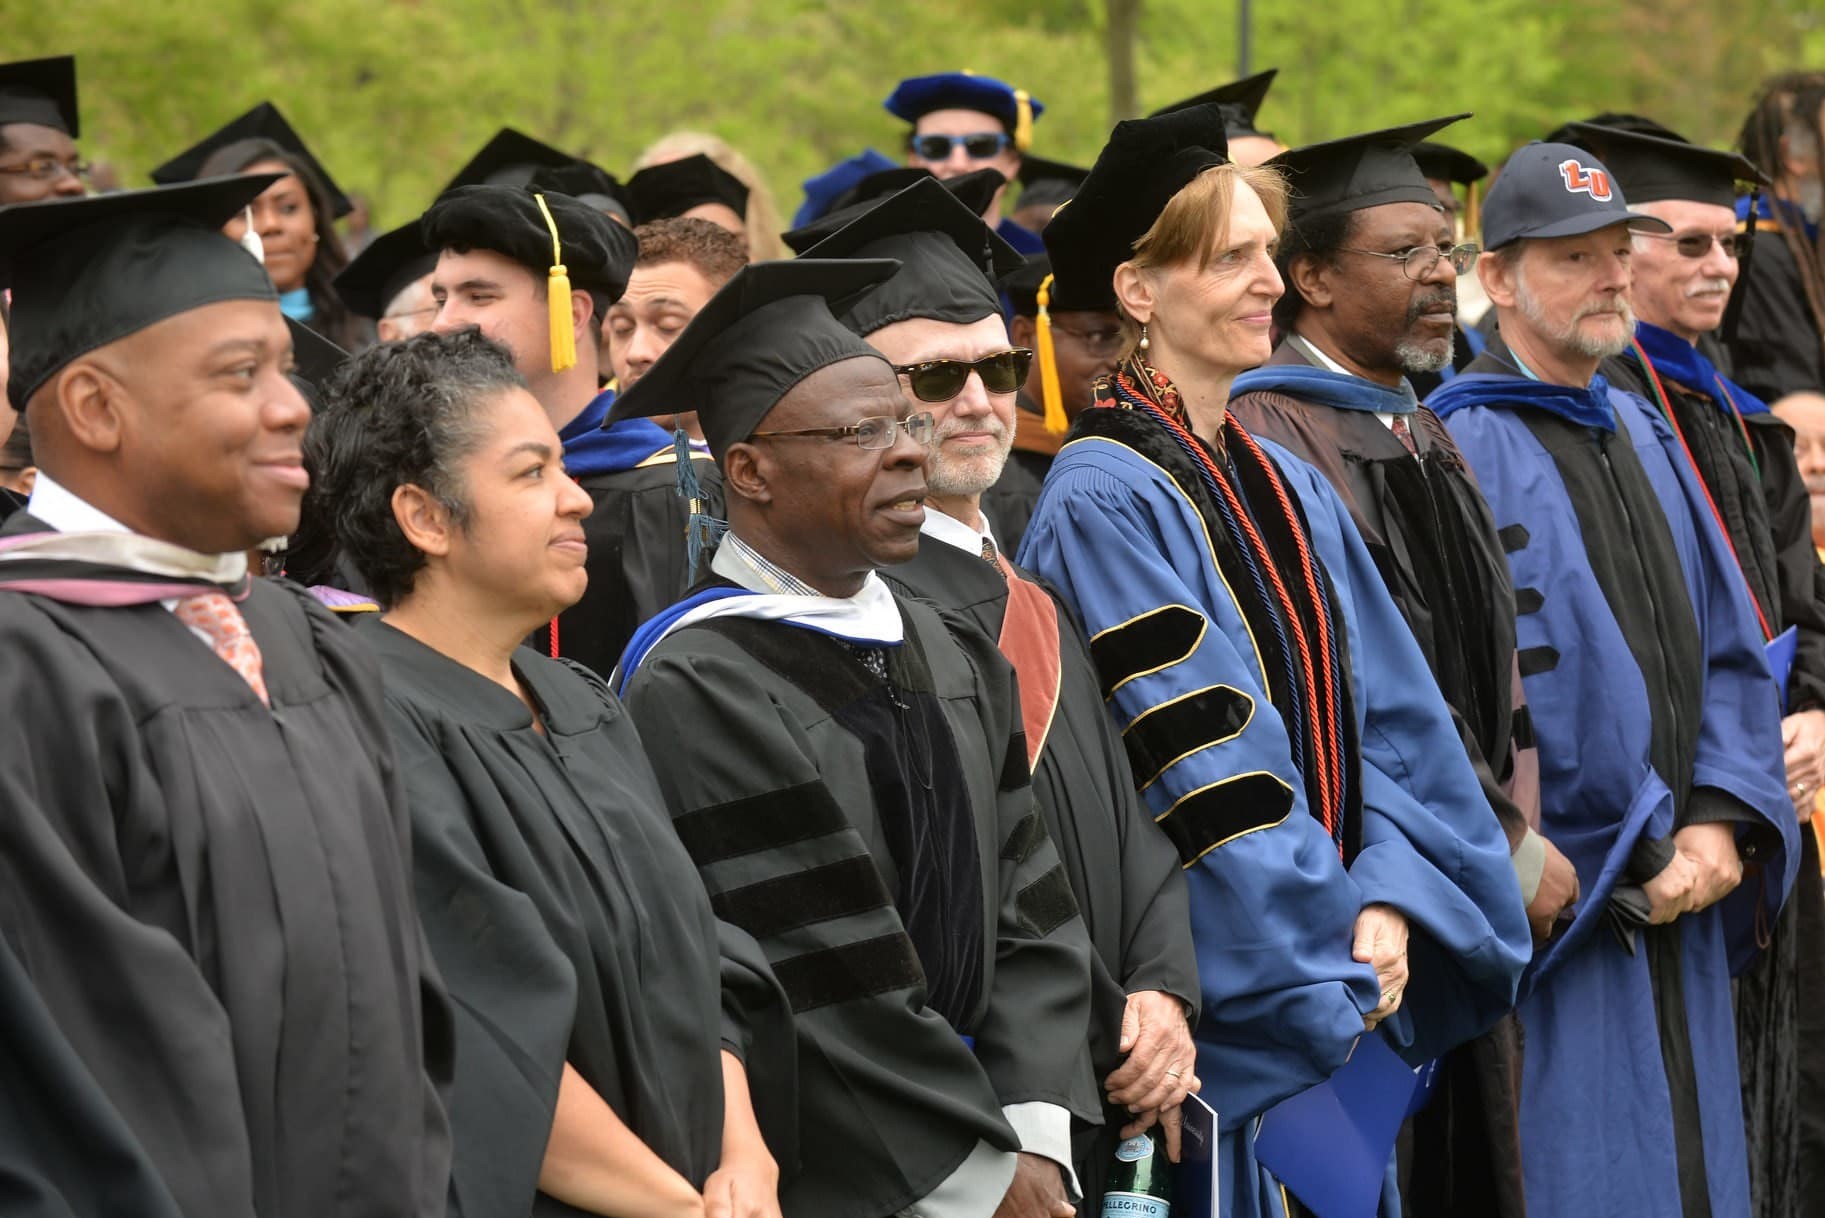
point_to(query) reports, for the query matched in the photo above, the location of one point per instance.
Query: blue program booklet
(1330, 1145)
(1195, 1179)
(1780, 650)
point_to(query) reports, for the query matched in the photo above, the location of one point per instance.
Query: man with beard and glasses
(1744, 456)
(1779, 344)
(939, 321)
(1653, 710)
(1370, 264)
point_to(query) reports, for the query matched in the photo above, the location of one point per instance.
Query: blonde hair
(763, 226)
(1194, 224)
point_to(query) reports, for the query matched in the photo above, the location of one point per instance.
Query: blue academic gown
(1597, 1110)
(1273, 907)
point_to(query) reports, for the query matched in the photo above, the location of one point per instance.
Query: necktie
(1403, 433)
(215, 616)
(988, 554)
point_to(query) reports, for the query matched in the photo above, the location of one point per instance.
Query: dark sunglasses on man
(1697, 245)
(981, 145)
(940, 380)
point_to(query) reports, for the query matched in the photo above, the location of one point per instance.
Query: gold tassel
(557, 291)
(1056, 421)
(1023, 119)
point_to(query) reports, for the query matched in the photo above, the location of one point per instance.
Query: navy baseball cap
(1557, 190)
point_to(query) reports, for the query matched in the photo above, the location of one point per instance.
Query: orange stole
(1029, 639)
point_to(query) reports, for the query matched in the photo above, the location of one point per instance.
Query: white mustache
(1709, 286)
(953, 427)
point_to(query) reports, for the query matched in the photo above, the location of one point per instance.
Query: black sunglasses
(981, 145)
(1697, 245)
(940, 380)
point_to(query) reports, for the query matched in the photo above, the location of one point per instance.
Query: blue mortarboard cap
(918, 96)
(823, 190)
(1557, 190)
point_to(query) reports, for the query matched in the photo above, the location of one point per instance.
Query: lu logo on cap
(1581, 179)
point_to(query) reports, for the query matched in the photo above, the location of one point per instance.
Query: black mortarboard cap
(1144, 164)
(1620, 120)
(1241, 101)
(40, 91)
(263, 122)
(660, 192)
(975, 190)
(597, 253)
(1359, 171)
(949, 259)
(586, 183)
(90, 271)
(1443, 163)
(382, 271)
(314, 358)
(1036, 169)
(1649, 167)
(767, 329)
(509, 158)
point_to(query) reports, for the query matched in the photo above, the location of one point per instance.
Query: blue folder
(1780, 650)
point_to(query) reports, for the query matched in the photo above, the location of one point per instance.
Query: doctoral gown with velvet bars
(569, 925)
(879, 839)
(213, 902)
(1126, 532)
(1123, 870)
(1652, 707)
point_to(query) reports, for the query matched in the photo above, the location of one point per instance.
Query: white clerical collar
(1312, 350)
(65, 511)
(953, 532)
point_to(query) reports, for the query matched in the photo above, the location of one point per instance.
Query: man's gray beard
(1412, 357)
(1570, 336)
(961, 477)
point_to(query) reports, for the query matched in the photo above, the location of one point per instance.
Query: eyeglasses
(49, 169)
(1697, 245)
(1106, 340)
(940, 380)
(874, 433)
(1421, 260)
(981, 145)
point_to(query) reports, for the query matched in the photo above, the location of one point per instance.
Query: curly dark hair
(329, 316)
(400, 414)
(1319, 237)
(716, 252)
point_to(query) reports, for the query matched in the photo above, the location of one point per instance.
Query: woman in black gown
(604, 1014)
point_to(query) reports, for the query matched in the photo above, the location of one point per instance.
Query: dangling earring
(1144, 343)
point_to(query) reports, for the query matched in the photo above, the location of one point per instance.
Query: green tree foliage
(394, 94)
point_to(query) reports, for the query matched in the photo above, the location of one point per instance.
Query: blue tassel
(703, 531)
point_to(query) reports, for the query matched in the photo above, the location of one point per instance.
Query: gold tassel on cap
(563, 337)
(1056, 421)
(1023, 119)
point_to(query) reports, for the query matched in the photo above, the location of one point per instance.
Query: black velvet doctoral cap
(1241, 100)
(1649, 167)
(40, 91)
(509, 158)
(88, 272)
(975, 190)
(660, 192)
(383, 270)
(1022, 284)
(1144, 164)
(1443, 163)
(1359, 171)
(597, 253)
(767, 329)
(949, 259)
(263, 122)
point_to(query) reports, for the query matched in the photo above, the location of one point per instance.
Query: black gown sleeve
(1801, 578)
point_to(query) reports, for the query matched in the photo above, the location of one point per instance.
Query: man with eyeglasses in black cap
(38, 130)
(849, 770)
(1744, 456)
(1653, 709)
(939, 320)
(1370, 263)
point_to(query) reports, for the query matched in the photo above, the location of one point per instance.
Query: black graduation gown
(1776, 349)
(1010, 502)
(64, 1150)
(566, 920)
(1124, 871)
(212, 899)
(1768, 519)
(882, 844)
(638, 560)
(1435, 544)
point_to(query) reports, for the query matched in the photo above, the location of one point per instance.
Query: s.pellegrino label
(1140, 1179)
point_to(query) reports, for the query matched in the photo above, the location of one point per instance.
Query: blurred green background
(394, 94)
